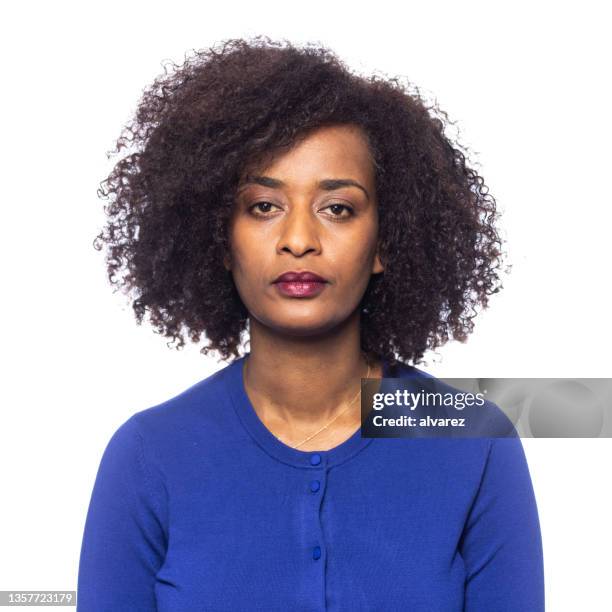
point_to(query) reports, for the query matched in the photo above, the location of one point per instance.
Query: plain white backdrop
(528, 85)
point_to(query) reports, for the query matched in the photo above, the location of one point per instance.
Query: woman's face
(300, 214)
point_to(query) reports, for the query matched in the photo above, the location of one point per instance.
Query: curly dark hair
(199, 125)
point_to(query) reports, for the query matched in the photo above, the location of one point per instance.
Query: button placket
(312, 479)
(314, 488)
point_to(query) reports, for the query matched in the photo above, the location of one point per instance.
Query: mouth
(300, 288)
(300, 284)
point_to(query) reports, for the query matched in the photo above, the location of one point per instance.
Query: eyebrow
(326, 184)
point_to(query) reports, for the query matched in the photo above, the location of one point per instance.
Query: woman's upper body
(198, 506)
(328, 214)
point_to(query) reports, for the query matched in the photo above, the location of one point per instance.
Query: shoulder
(200, 411)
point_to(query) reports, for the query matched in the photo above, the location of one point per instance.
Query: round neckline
(314, 459)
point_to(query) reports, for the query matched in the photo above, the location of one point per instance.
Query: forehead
(331, 151)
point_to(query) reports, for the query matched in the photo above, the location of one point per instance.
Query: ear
(377, 266)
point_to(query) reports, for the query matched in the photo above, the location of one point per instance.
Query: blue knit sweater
(197, 506)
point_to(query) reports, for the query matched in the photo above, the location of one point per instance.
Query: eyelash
(337, 217)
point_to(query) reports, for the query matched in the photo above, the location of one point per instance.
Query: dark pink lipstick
(300, 284)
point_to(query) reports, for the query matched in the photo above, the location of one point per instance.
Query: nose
(299, 232)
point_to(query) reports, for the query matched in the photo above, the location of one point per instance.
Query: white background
(528, 85)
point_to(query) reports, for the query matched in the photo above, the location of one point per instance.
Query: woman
(274, 192)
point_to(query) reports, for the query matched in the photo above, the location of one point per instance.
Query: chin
(300, 324)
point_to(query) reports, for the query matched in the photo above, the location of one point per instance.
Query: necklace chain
(339, 414)
(330, 422)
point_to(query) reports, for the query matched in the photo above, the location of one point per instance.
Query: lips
(300, 277)
(300, 284)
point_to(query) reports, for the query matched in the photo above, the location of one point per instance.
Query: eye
(267, 206)
(337, 210)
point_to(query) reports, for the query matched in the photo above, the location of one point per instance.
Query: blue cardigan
(197, 506)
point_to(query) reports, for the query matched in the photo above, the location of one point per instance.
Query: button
(316, 552)
(315, 459)
(315, 485)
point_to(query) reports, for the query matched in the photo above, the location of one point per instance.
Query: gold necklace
(328, 424)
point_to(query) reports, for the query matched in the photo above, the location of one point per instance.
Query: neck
(300, 383)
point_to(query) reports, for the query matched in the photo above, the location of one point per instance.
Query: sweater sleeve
(124, 539)
(501, 543)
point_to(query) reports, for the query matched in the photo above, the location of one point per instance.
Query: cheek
(352, 259)
(249, 263)
(242, 247)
